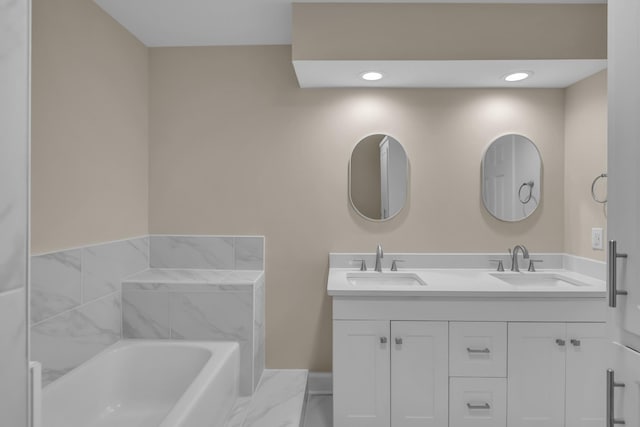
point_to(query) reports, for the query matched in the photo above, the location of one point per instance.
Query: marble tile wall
(226, 308)
(76, 309)
(207, 252)
(14, 196)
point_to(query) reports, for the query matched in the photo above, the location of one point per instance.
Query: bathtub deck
(278, 401)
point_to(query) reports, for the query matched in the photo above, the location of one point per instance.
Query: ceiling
(229, 22)
(158, 23)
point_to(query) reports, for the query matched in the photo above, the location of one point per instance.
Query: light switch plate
(597, 239)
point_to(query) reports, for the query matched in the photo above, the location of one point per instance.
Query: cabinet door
(623, 153)
(585, 374)
(419, 374)
(626, 399)
(361, 373)
(536, 371)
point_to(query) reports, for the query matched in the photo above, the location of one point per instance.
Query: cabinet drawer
(478, 349)
(478, 402)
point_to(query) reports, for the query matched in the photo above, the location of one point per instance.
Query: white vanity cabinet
(390, 373)
(555, 374)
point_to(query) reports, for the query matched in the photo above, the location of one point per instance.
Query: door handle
(612, 266)
(398, 340)
(611, 385)
(383, 340)
(560, 342)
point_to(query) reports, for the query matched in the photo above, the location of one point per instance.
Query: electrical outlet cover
(597, 238)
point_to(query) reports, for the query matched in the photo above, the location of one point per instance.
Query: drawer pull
(478, 350)
(479, 406)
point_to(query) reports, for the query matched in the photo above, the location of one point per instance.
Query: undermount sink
(550, 280)
(391, 279)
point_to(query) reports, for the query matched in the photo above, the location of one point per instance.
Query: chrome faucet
(379, 256)
(514, 256)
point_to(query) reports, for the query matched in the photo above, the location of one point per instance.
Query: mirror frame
(407, 181)
(484, 154)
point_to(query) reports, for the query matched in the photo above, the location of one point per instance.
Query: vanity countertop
(464, 283)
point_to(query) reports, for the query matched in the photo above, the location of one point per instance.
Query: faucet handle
(500, 264)
(394, 264)
(532, 266)
(363, 264)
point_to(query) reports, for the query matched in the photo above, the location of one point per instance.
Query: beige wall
(237, 148)
(89, 127)
(585, 158)
(430, 31)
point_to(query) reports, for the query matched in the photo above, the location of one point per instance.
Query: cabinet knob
(398, 340)
(561, 342)
(383, 340)
(575, 342)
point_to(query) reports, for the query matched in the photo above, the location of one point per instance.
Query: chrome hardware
(560, 342)
(514, 256)
(478, 350)
(394, 264)
(611, 385)
(593, 189)
(526, 200)
(363, 264)
(379, 256)
(500, 265)
(612, 257)
(575, 342)
(532, 266)
(481, 406)
(383, 340)
(398, 340)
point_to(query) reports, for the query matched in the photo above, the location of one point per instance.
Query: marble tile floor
(319, 412)
(278, 401)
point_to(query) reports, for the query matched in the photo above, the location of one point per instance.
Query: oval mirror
(378, 177)
(511, 170)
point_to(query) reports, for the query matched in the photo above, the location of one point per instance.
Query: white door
(419, 374)
(623, 220)
(384, 178)
(499, 179)
(623, 217)
(361, 373)
(536, 374)
(585, 379)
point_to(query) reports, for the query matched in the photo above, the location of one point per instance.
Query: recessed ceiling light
(371, 76)
(516, 77)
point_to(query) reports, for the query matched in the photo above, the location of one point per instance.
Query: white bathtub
(143, 383)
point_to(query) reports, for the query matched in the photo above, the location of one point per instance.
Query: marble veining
(279, 399)
(163, 278)
(207, 252)
(249, 253)
(222, 316)
(192, 252)
(105, 265)
(68, 339)
(145, 315)
(56, 282)
(238, 412)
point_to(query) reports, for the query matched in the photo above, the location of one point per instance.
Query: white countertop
(466, 282)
